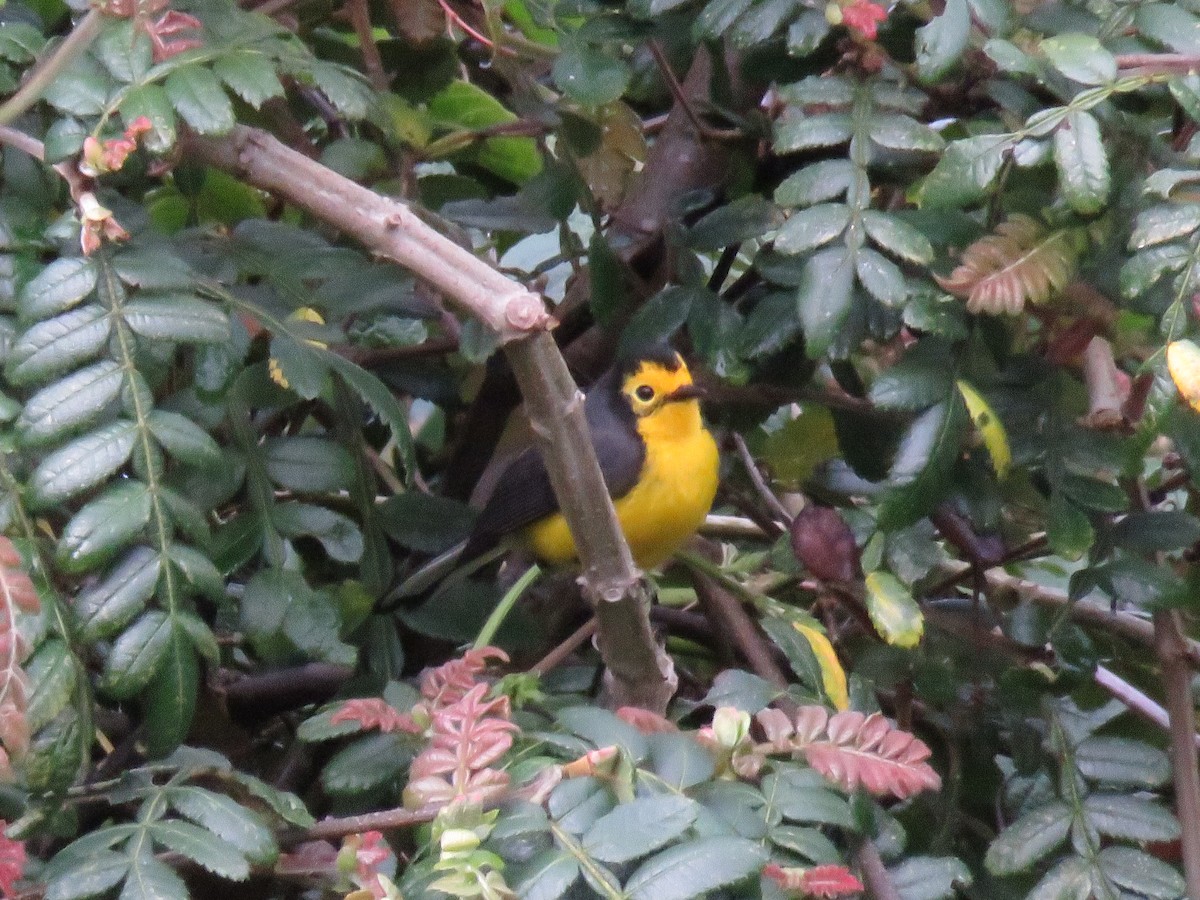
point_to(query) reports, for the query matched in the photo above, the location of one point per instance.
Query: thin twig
(875, 875)
(1148, 63)
(360, 20)
(85, 31)
(760, 483)
(555, 657)
(1138, 702)
(729, 619)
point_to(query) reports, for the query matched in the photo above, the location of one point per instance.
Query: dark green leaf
(1159, 224)
(741, 690)
(241, 827)
(965, 171)
(881, 277)
(799, 131)
(809, 843)
(1082, 162)
(338, 534)
(170, 702)
(797, 650)
(810, 228)
(1157, 531)
(250, 75)
(82, 90)
(204, 848)
(151, 101)
(20, 42)
(1141, 873)
(930, 878)
(177, 318)
(921, 470)
(57, 344)
(69, 403)
(816, 183)
(638, 828)
(1029, 839)
(1122, 762)
(151, 879)
(83, 463)
(124, 49)
(744, 219)
(897, 237)
(1130, 818)
(367, 764)
(309, 464)
(199, 99)
(899, 132)
(53, 677)
(90, 877)
(58, 287)
(801, 795)
(344, 87)
(1067, 528)
(825, 296)
(424, 522)
(1169, 24)
(377, 396)
(547, 876)
(918, 381)
(590, 75)
(104, 608)
(284, 804)
(679, 760)
(604, 729)
(659, 318)
(1081, 58)
(941, 43)
(134, 659)
(695, 868)
(105, 525)
(184, 439)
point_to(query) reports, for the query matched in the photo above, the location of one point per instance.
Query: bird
(659, 461)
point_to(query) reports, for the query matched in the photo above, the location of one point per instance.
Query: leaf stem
(504, 607)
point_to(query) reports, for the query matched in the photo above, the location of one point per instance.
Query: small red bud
(824, 543)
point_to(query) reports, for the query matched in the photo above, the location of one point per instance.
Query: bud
(823, 542)
(730, 726)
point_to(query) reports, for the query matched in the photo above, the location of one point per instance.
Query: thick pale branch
(639, 672)
(382, 225)
(1171, 649)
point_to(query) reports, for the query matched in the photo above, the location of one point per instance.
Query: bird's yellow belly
(665, 507)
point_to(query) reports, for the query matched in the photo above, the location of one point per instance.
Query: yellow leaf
(1183, 362)
(990, 428)
(303, 314)
(833, 676)
(893, 611)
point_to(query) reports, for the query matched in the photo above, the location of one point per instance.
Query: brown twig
(574, 641)
(1170, 646)
(760, 484)
(1139, 703)
(360, 19)
(1148, 63)
(875, 875)
(729, 618)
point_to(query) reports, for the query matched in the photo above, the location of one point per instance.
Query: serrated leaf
(744, 219)
(309, 463)
(169, 701)
(135, 656)
(198, 571)
(349, 94)
(151, 879)
(177, 318)
(1141, 873)
(104, 608)
(881, 277)
(286, 805)
(53, 677)
(57, 344)
(104, 526)
(58, 287)
(82, 90)
(897, 237)
(204, 848)
(815, 183)
(69, 403)
(250, 75)
(900, 132)
(824, 297)
(1082, 162)
(1157, 530)
(893, 611)
(741, 690)
(1159, 224)
(338, 534)
(930, 878)
(638, 828)
(1029, 839)
(809, 228)
(547, 876)
(941, 43)
(152, 102)
(1131, 818)
(1080, 57)
(370, 762)
(89, 877)
(965, 171)
(1068, 530)
(83, 463)
(241, 827)
(124, 49)
(796, 130)
(183, 438)
(198, 97)
(1143, 270)
(1123, 762)
(696, 867)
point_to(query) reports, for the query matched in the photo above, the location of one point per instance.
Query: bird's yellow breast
(673, 494)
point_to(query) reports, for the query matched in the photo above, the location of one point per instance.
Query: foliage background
(929, 259)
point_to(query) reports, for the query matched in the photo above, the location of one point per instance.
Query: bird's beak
(685, 392)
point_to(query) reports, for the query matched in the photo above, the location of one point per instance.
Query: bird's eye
(645, 393)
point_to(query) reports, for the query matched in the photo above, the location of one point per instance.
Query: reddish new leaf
(818, 881)
(12, 860)
(372, 713)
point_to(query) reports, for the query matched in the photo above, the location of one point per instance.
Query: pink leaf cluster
(851, 750)
(12, 860)
(864, 17)
(100, 157)
(17, 593)
(817, 881)
(373, 713)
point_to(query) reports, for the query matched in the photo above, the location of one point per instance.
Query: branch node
(526, 312)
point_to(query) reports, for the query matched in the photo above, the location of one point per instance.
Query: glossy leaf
(197, 95)
(236, 824)
(183, 439)
(57, 344)
(1082, 163)
(105, 525)
(58, 287)
(638, 828)
(83, 463)
(69, 403)
(106, 607)
(893, 611)
(825, 296)
(696, 867)
(1029, 839)
(1080, 57)
(941, 43)
(135, 657)
(177, 318)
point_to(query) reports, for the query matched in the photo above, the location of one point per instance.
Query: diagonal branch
(639, 672)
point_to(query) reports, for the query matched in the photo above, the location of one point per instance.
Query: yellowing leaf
(893, 611)
(303, 314)
(990, 428)
(1183, 362)
(833, 676)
